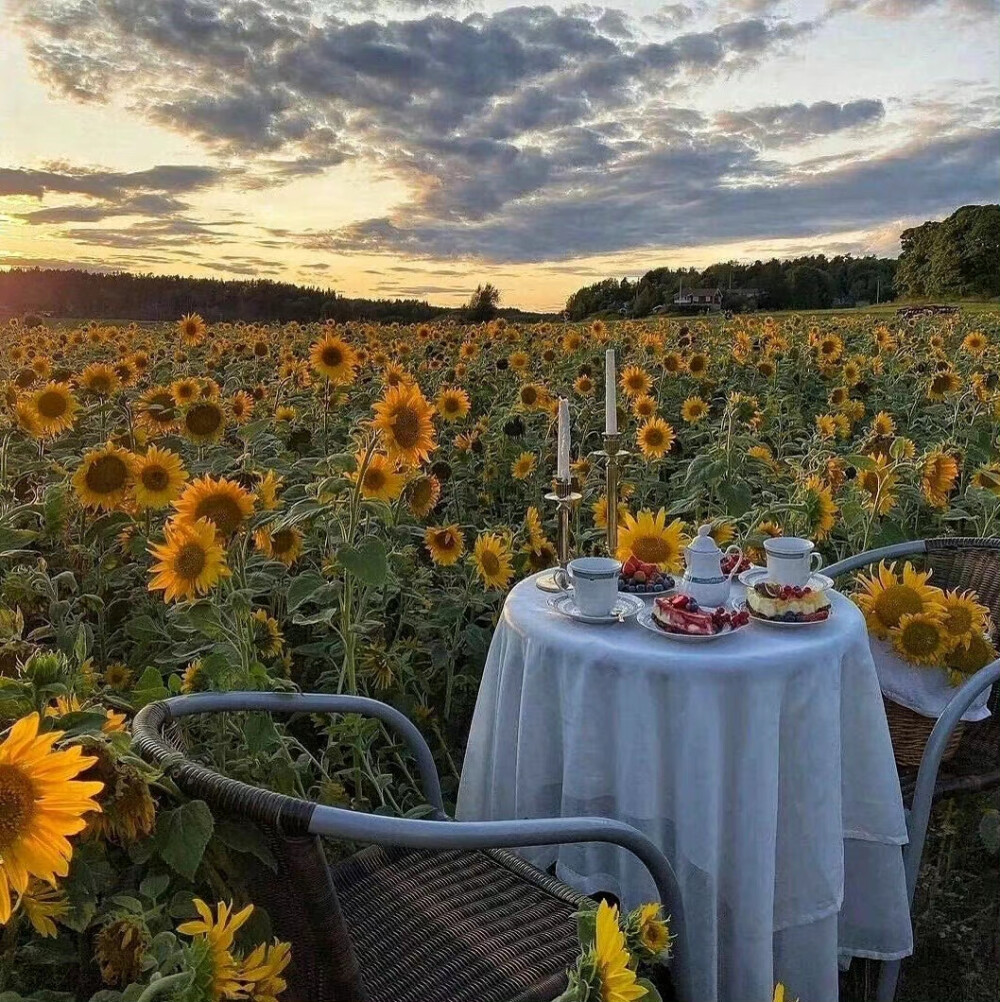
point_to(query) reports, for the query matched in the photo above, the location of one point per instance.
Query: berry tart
(643, 579)
(775, 603)
(680, 614)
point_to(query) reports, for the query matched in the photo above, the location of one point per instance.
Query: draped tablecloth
(760, 764)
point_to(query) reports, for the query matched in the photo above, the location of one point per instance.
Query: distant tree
(483, 303)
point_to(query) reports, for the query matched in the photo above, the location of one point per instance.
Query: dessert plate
(780, 625)
(645, 619)
(624, 608)
(754, 576)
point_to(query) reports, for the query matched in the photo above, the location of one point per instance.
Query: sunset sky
(414, 148)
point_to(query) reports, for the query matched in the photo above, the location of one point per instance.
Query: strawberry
(631, 566)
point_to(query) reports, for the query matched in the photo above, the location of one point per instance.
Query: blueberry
(658, 586)
(692, 606)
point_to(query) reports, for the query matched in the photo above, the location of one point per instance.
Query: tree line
(954, 258)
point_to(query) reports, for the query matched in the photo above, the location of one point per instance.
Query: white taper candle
(562, 463)
(610, 394)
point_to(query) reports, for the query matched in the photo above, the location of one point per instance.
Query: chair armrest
(923, 794)
(869, 557)
(148, 724)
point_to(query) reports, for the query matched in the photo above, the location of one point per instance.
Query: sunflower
(761, 453)
(878, 486)
(284, 545)
(41, 802)
(284, 412)
(190, 561)
(963, 616)
(583, 385)
(885, 598)
(644, 407)
(611, 960)
(120, 948)
(492, 560)
(648, 538)
(766, 368)
(55, 408)
(453, 404)
(655, 437)
(920, 638)
(403, 417)
(968, 658)
(533, 397)
(382, 481)
(158, 477)
(975, 343)
(693, 410)
(652, 930)
(723, 533)
(987, 478)
(600, 508)
(184, 391)
(673, 363)
(261, 971)
(883, 425)
(43, 905)
(156, 410)
(821, 509)
(219, 931)
(118, 676)
(523, 466)
(103, 478)
(61, 706)
(267, 636)
(222, 502)
(204, 421)
(128, 813)
(826, 427)
(939, 474)
(943, 384)
(191, 328)
(241, 407)
(423, 494)
(635, 382)
(267, 491)
(830, 348)
(445, 544)
(697, 364)
(335, 359)
(99, 379)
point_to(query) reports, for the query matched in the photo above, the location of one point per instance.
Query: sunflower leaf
(182, 835)
(368, 562)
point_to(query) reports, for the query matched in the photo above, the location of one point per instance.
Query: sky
(414, 148)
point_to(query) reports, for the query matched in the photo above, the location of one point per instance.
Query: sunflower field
(186, 507)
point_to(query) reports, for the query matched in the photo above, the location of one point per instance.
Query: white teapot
(703, 579)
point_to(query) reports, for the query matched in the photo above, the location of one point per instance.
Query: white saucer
(753, 576)
(625, 607)
(645, 619)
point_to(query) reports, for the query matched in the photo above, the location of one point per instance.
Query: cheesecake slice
(671, 614)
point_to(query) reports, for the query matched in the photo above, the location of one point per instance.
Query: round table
(759, 763)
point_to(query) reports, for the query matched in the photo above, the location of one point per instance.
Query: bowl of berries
(735, 563)
(679, 617)
(641, 578)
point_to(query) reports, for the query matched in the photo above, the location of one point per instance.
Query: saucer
(755, 575)
(646, 620)
(624, 608)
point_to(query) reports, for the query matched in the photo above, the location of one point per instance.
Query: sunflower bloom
(885, 598)
(223, 503)
(492, 560)
(403, 417)
(963, 616)
(284, 545)
(648, 538)
(619, 982)
(938, 478)
(920, 638)
(103, 478)
(453, 404)
(693, 410)
(191, 328)
(445, 544)
(55, 407)
(219, 931)
(821, 509)
(333, 358)
(158, 477)
(381, 480)
(190, 562)
(655, 437)
(523, 466)
(42, 803)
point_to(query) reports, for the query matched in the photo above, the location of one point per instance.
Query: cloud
(781, 125)
(107, 184)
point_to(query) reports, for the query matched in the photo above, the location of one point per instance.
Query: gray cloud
(96, 183)
(781, 125)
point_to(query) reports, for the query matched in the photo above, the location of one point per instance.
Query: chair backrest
(963, 562)
(298, 895)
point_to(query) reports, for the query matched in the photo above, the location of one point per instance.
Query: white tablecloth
(761, 764)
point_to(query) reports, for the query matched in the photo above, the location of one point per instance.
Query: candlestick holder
(565, 499)
(612, 453)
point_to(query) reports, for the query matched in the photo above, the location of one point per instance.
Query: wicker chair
(957, 563)
(432, 910)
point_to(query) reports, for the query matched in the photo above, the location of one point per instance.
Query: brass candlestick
(566, 499)
(612, 453)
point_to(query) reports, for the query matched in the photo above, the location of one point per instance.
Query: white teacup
(791, 560)
(595, 584)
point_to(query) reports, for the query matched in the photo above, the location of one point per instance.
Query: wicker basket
(910, 730)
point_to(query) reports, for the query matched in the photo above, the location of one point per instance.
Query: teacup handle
(815, 561)
(562, 578)
(734, 549)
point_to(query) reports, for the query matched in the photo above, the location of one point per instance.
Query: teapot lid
(703, 542)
